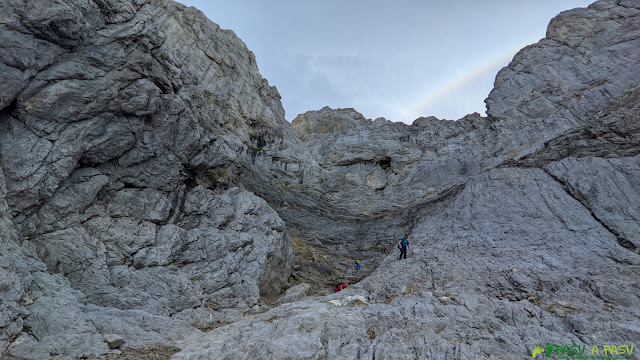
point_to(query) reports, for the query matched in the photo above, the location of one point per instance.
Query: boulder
(114, 341)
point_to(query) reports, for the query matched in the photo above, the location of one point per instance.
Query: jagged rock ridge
(151, 188)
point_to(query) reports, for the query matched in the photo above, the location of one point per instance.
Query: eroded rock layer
(151, 192)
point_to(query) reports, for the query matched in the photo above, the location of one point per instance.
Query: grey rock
(521, 254)
(570, 78)
(512, 293)
(327, 120)
(56, 323)
(294, 293)
(106, 131)
(114, 341)
(610, 189)
(21, 58)
(151, 188)
(145, 204)
(17, 268)
(217, 253)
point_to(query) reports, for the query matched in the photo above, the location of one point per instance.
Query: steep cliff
(151, 190)
(122, 123)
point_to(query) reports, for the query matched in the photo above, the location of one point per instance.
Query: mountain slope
(151, 189)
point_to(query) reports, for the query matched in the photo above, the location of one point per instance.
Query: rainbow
(462, 80)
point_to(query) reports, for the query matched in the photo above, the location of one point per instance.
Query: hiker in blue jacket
(403, 244)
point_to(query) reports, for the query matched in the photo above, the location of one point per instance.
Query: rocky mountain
(154, 199)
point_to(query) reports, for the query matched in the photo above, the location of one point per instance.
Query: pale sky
(398, 59)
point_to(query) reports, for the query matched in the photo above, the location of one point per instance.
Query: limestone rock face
(526, 229)
(151, 191)
(533, 266)
(609, 189)
(327, 120)
(15, 275)
(121, 125)
(585, 68)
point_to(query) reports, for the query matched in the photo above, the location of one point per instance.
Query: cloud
(464, 83)
(399, 60)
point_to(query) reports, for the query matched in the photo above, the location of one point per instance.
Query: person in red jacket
(341, 286)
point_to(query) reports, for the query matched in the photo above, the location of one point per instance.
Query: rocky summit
(155, 203)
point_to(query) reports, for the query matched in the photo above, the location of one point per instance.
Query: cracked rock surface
(151, 191)
(112, 127)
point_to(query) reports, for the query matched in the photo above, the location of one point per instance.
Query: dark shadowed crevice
(385, 163)
(9, 109)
